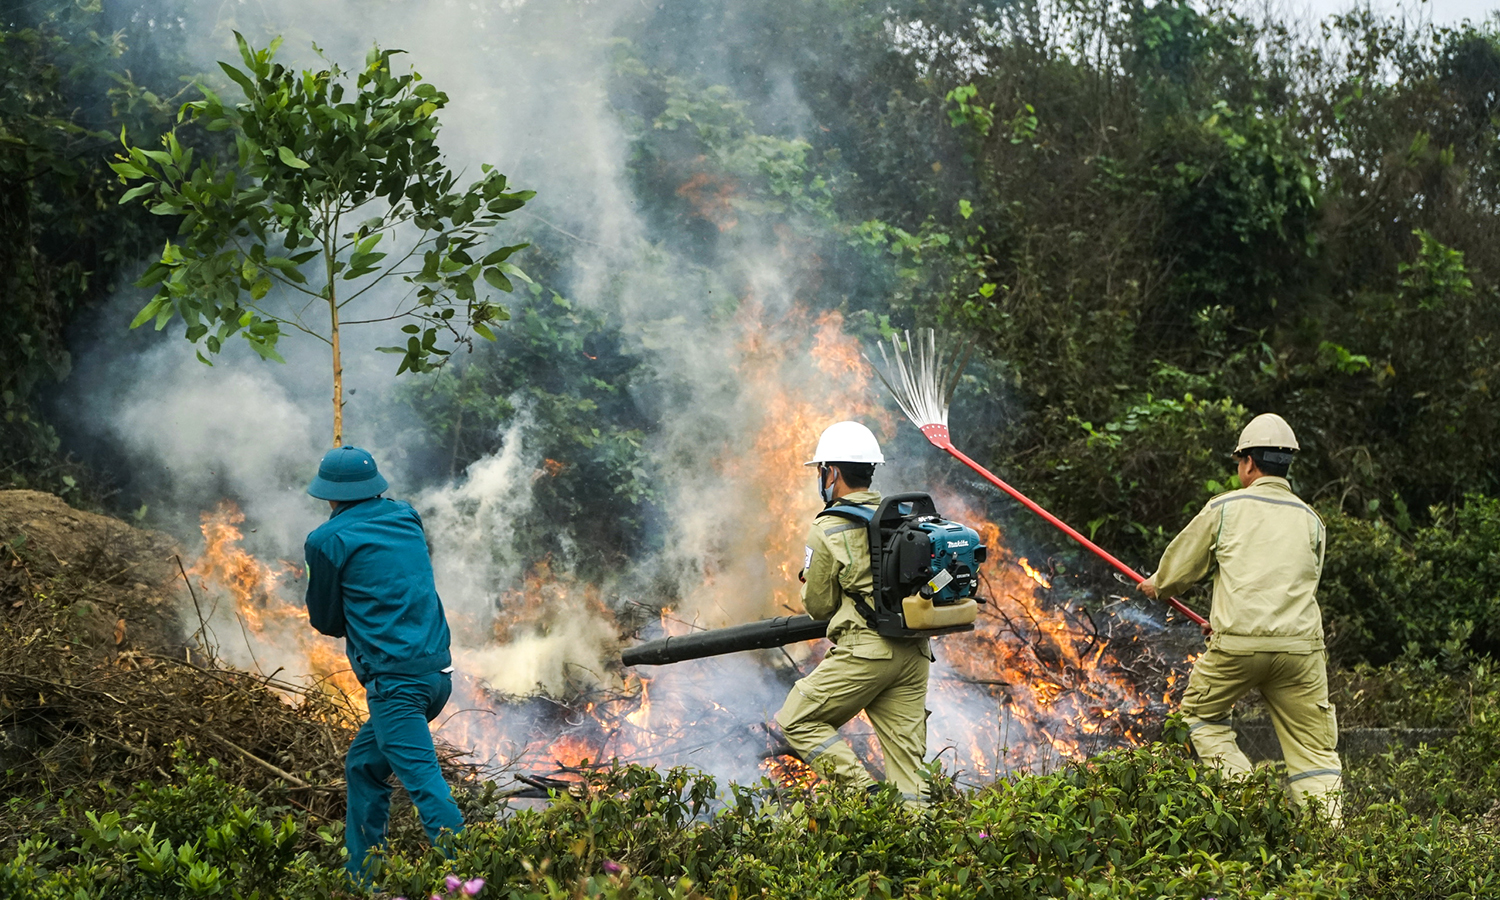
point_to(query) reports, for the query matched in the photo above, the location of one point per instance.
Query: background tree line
(1155, 221)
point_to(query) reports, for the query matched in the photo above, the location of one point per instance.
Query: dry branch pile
(99, 685)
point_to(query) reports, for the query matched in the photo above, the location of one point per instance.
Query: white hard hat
(1267, 430)
(847, 442)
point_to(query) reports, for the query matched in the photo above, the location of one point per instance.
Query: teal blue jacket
(369, 581)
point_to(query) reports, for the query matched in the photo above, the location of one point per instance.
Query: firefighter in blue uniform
(370, 582)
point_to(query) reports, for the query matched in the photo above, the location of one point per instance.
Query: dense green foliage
(1155, 220)
(1386, 590)
(67, 85)
(1129, 824)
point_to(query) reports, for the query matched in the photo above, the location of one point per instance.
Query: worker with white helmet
(886, 678)
(1265, 548)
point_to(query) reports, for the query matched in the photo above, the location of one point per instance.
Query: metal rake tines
(921, 377)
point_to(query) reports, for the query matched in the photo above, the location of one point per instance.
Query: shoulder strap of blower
(862, 515)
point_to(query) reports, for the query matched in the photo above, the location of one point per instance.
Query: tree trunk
(338, 375)
(330, 229)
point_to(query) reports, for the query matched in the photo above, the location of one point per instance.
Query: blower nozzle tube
(760, 635)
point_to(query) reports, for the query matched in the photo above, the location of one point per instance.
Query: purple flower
(453, 882)
(984, 835)
(611, 867)
(473, 886)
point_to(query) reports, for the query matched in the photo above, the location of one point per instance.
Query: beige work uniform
(863, 671)
(1265, 548)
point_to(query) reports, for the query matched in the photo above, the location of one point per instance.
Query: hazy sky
(1442, 12)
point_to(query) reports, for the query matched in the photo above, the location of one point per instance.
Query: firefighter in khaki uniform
(886, 678)
(1265, 548)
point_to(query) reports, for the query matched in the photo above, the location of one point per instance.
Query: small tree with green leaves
(324, 180)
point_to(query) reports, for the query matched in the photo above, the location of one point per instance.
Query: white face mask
(826, 480)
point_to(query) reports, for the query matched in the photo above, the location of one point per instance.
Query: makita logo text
(958, 543)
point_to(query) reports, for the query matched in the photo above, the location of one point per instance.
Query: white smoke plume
(530, 87)
(530, 84)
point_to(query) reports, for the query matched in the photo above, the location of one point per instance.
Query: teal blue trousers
(395, 739)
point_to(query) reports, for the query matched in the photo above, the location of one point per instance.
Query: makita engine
(926, 567)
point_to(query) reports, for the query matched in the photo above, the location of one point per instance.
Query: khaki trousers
(893, 694)
(1295, 687)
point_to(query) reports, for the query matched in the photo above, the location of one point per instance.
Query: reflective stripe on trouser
(1295, 688)
(893, 694)
(396, 739)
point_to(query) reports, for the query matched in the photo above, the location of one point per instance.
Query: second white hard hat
(1267, 430)
(847, 442)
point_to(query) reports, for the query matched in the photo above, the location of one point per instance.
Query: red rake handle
(938, 435)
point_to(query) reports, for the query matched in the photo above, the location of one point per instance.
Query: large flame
(270, 624)
(1034, 683)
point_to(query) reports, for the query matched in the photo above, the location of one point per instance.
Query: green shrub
(1459, 775)
(1442, 690)
(1382, 593)
(1397, 856)
(197, 836)
(1144, 823)
(1126, 819)
(1131, 481)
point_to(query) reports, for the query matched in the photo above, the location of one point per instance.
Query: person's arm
(1188, 558)
(821, 594)
(325, 602)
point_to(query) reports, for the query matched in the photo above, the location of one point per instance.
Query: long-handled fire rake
(923, 381)
(926, 382)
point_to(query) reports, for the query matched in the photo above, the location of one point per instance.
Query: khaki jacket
(837, 565)
(1265, 548)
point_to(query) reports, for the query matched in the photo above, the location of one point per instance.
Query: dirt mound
(100, 679)
(119, 582)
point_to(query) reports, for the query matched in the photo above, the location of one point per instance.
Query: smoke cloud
(744, 375)
(531, 93)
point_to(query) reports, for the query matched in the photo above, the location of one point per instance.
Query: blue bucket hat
(347, 473)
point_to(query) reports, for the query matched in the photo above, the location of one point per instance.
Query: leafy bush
(70, 87)
(1153, 463)
(1143, 823)
(1149, 816)
(1382, 593)
(1445, 690)
(201, 838)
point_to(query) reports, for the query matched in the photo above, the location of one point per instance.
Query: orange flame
(789, 771)
(1033, 682)
(255, 589)
(712, 198)
(1032, 573)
